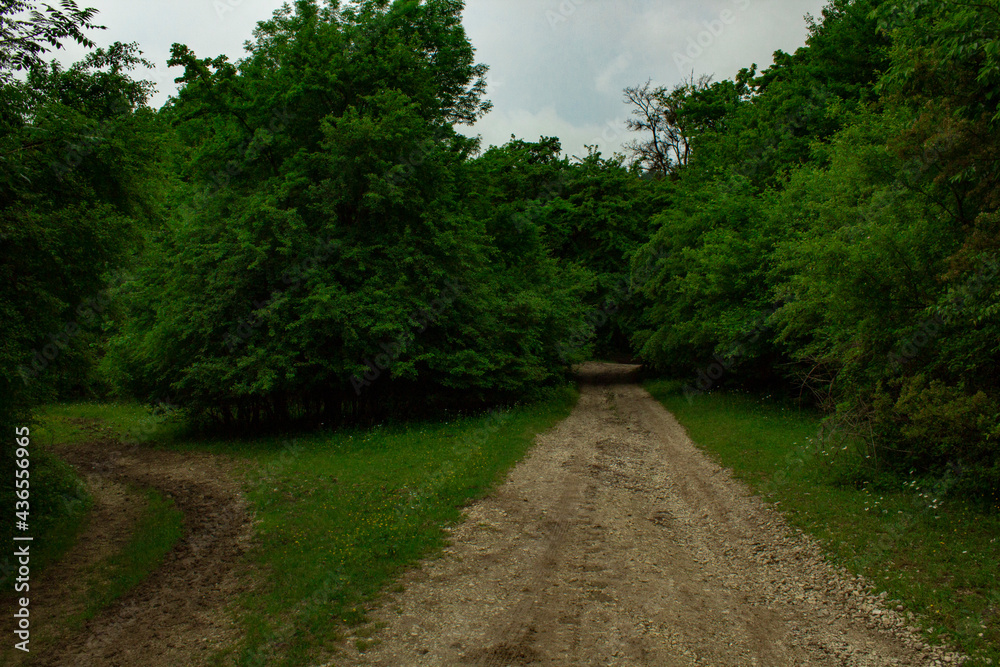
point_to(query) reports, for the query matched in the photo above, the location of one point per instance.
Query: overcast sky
(557, 67)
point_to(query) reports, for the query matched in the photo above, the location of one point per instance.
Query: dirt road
(617, 542)
(177, 616)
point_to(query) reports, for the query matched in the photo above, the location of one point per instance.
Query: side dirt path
(617, 542)
(178, 615)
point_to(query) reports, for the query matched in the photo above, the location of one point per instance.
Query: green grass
(126, 421)
(159, 528)
(939, 556)
(341, 515)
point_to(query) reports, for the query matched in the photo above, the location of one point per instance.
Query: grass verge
(938, 556)
(341, 515)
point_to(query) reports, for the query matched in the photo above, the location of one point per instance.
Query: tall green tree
(327, 266)
(836, 226)
(75, 149)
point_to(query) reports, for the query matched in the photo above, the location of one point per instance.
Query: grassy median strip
(938, 556)
(159, 528)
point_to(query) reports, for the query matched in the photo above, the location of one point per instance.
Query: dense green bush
(592, 213)
(931, 425)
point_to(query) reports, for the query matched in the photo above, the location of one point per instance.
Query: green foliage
(836, 226)
(590, 214)
(932, 424)
(318, 243)
(320, 261)
(27, 33)
(860, 271)
(708, 293)
(75, 154)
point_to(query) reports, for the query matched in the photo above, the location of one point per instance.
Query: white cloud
(498, 126)
(608, 78)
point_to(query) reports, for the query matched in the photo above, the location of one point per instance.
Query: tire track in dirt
(617, 542)
(58, 593)
(178, 615)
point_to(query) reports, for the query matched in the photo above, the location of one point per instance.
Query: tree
(26, 33)
(661, 114)
(592, 213)
(75, 149)
(323, 206)
(836, 228)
